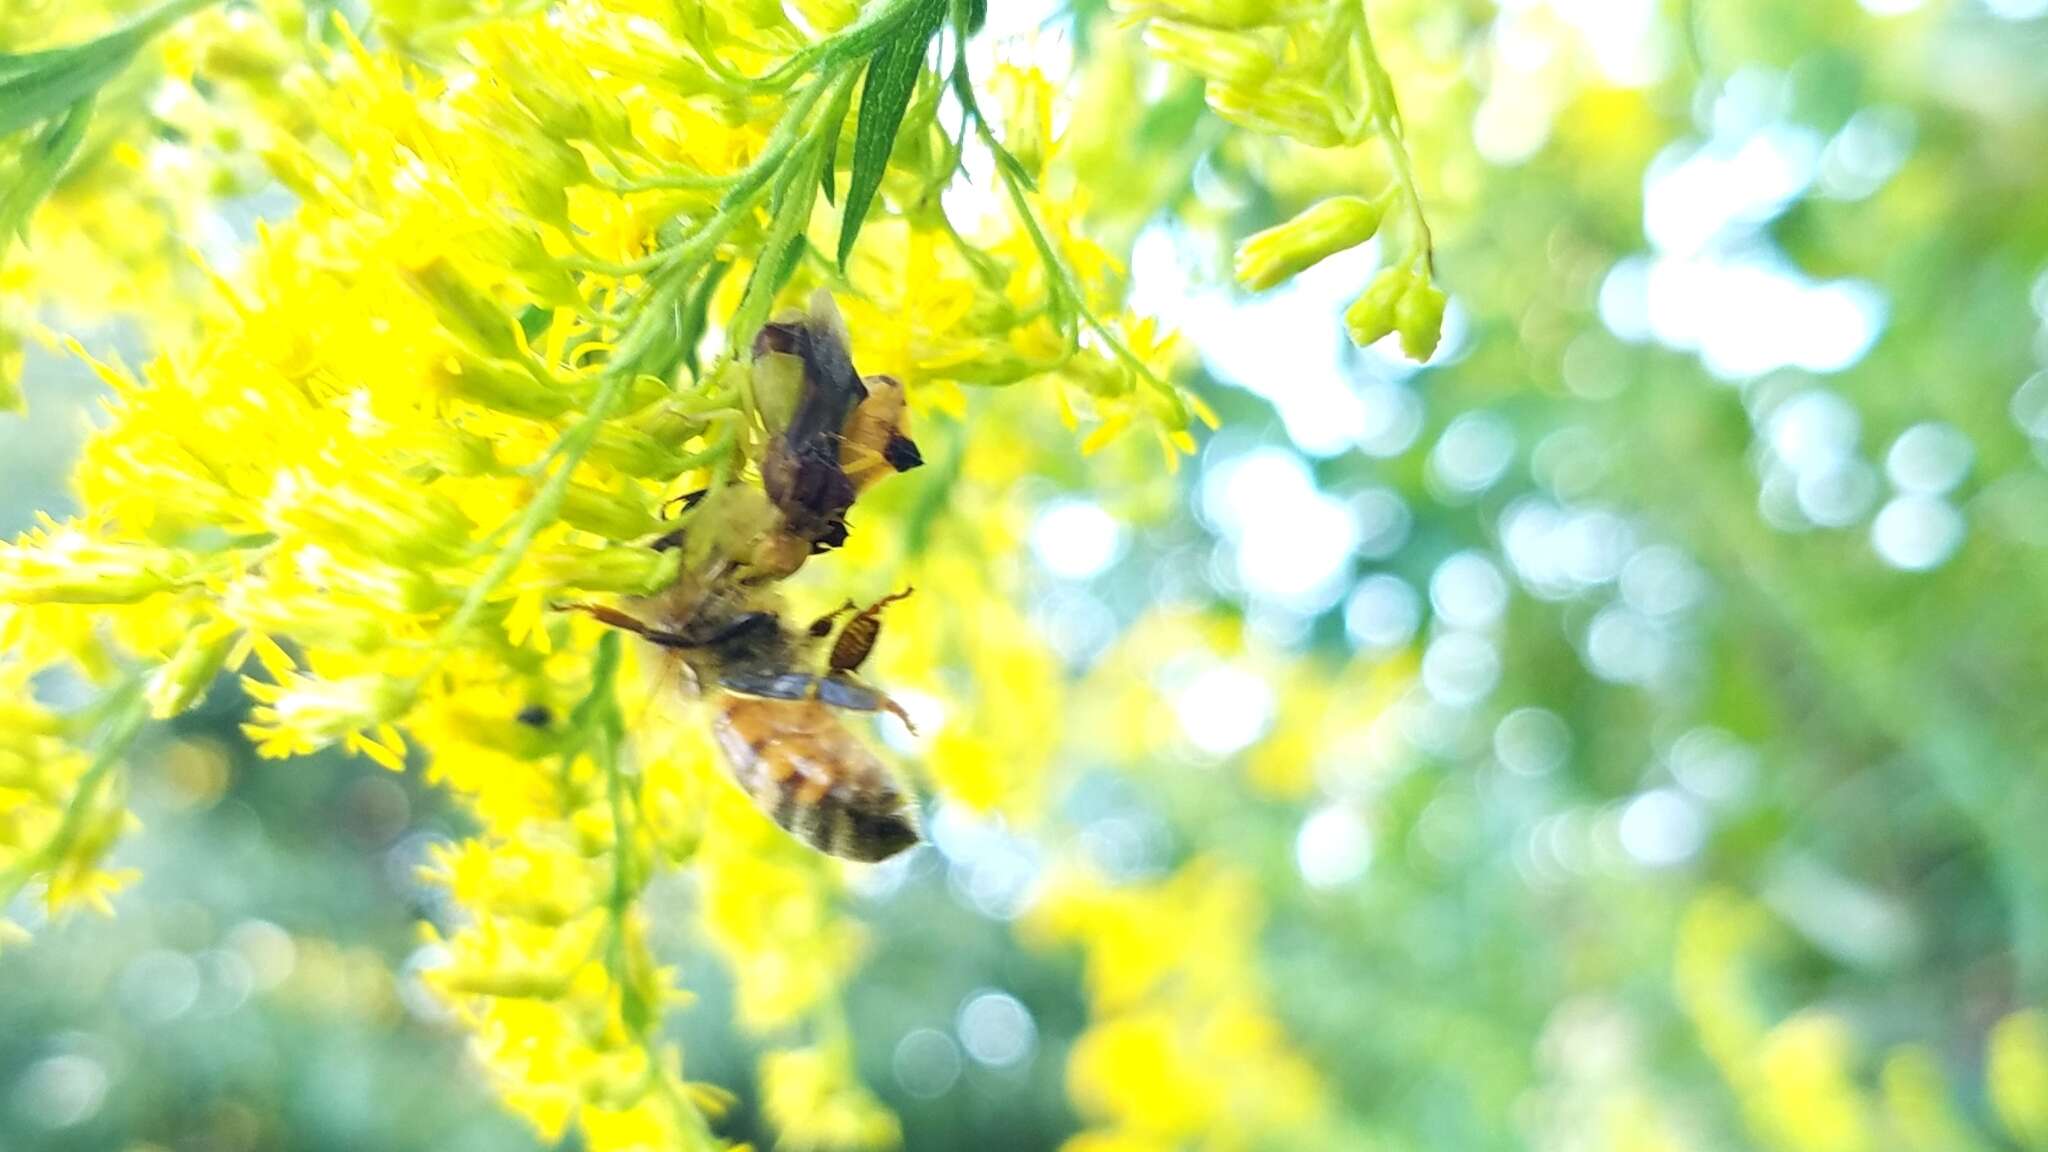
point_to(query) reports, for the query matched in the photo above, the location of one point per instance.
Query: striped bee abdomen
(810, 775)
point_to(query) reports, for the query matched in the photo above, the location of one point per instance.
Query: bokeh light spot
(1916, 532)
(1333, 847)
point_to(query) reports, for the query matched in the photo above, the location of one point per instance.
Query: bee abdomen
(813, 779)
(864, 829)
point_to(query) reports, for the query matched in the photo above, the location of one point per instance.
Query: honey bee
(777, 725)
(832, 434)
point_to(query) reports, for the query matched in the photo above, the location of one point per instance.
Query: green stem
(1386, 120)
(598, 718)
(675, 182)
(787, 135)
(1061, 279)
(798, 188)
(618, 270)
(130, 707)
(567, 453)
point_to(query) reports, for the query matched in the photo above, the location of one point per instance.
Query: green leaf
(835, 120)
(43, 161)
(788, 250)
(45, 92)
(22, 63)
(977, 15)
(40, 85)
(697, 311)
(51, 92)
(963, 89)
(892, 76)
(790, 210)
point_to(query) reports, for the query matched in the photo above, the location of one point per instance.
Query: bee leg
(822, 626)
(843, 690)
(673, 538)
(640, 628)
(857, 638)
(688, 500)
(896, 710)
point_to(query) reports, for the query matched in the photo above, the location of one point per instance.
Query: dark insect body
(844, 432)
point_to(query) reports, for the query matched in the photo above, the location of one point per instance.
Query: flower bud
(634, 452)
(634, 571)
(613, 515)
(374, 515)
(1167, 406)
(468, 313)
(1420, 319)
(1371, 316)
(1279, 107)
(277, 605)
(190, 671)
(302, 714)
(62, 565)
(1026, 98)
(1280, 253)
(1208, 13)
(1235, 59)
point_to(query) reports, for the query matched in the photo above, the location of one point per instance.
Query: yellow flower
(1233, 58)
(2017, 1074)
(1182, 1051)
(301, 714)
(1139, 1070)
(1919, 1104)
(62, 563)
(811, 1097)
(771, 911)
(1804, 1095)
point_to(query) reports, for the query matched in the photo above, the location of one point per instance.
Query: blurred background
(1681, 781)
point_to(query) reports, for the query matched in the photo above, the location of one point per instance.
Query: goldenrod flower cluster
(1182, 1051)
(463, 381)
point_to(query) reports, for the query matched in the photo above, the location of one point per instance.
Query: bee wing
(770, 685)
